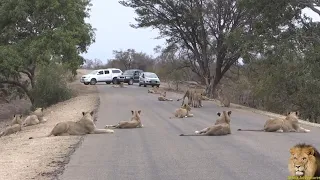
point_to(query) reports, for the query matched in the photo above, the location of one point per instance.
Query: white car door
(107, 75)
(100, 76)
(141, 79)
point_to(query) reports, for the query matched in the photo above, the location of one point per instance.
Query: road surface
(157, 152)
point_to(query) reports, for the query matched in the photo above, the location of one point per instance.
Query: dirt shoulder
(44, 158)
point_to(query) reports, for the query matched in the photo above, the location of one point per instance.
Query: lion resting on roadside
(84, 126)
(162, 97)
(183, 112)
(190, 94)
(135, 122)
(121, 85)
(154, 90)
(14, 127)
(36, 117)
(304, 161)
(289, 124)
(220, 128)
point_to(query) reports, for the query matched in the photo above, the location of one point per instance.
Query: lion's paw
(280, 130)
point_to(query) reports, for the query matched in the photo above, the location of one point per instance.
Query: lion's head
(186, 106)
(17, 118)
(136, 115)
(38, 112)
(303, 160)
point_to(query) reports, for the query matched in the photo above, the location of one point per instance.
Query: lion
(84, 126)
(121, 85)
(162, 97)
(289, 124)
(36, 117)
(220, 128)
(196, 100)
(183, 112)
(154, 90)
(17, 119)
(205, 98)
(304, 161)
(14, 127)
(190, 94)
(135, 122)
(224, 100)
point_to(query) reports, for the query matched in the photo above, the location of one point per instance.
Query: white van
(101, 75)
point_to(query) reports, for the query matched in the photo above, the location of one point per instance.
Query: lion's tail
(110, 127)
(48, 135)
(192, 134)
(259, 130)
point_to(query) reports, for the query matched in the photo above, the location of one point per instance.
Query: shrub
(51, 86)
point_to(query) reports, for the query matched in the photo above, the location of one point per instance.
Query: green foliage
(51, 86)
(36, 32)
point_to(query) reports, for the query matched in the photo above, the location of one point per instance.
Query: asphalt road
(157, 152)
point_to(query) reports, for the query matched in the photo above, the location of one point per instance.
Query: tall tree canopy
(35, 32)
(215, 34)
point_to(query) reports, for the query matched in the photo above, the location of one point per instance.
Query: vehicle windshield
(94, 72)
(128, 72)
(151, 75)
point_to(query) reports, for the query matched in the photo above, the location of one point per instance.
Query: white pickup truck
(101, 75)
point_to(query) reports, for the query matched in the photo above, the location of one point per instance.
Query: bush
(51, 86)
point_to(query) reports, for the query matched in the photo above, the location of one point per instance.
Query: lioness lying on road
(84, 126)
(304, 162)
(14, 127)
(121, 85)
(135, 122)
(162, 97)
(220, 128)
(154, 90)
(289, 124)
(183, 112)
(36, 117)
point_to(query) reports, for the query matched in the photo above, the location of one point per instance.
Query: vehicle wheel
(93, 81)
(114, 81)
(108, 82)
(139, 85)
(152, 85)
(130, 82)
(86, 83)
(145, 85)
(158, 85)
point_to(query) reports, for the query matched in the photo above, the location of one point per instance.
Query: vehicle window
(136, 73)
(106, 72)
(100, 72)
(128, 72)
(151, 75)
(115, 71)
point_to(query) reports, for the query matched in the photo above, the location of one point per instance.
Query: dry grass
(42, 158)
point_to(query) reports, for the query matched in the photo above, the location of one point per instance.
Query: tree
(130, 59)
(36, 32)
(212, 33)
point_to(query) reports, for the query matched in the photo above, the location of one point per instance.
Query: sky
(112, 20)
